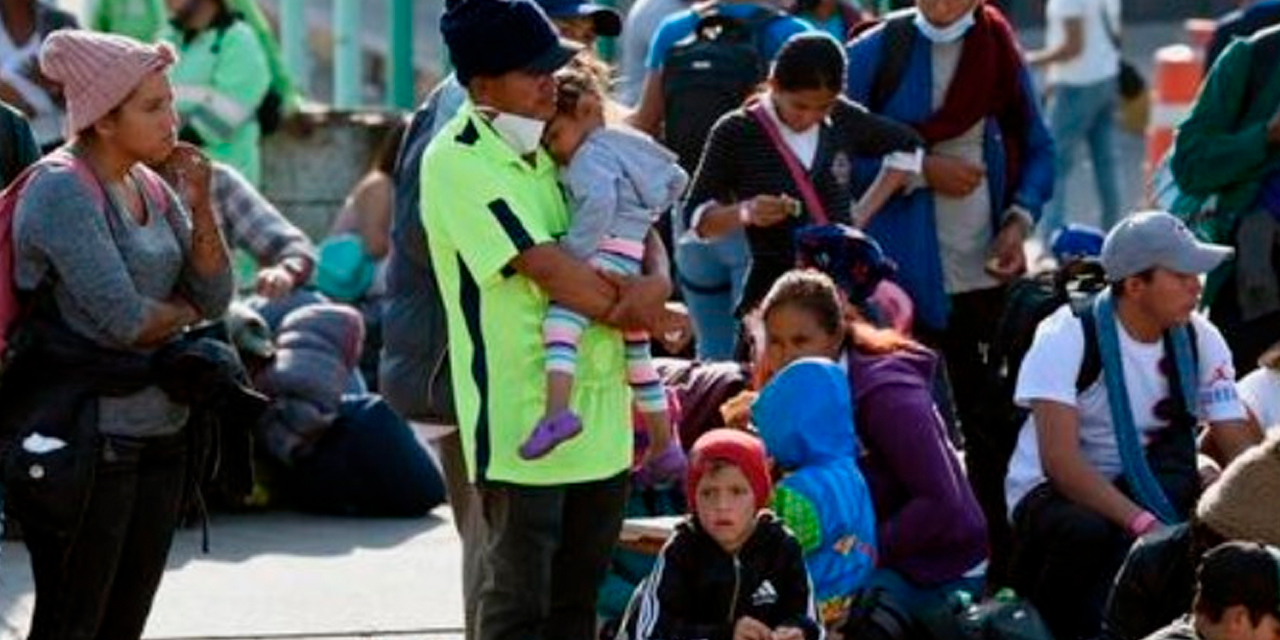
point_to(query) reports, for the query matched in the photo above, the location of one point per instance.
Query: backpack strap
(898, 37)
(154, 189)
(1091, 365)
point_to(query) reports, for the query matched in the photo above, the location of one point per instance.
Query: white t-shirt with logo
(1049, 372)
(1098, 58)
(1260, 391)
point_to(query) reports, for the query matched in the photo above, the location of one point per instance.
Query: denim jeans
(711, 278)
(99, 582)
(547, 551)
(1083, 114)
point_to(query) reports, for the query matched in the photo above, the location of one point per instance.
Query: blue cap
(1076, 241)
(1150, 239)
(607, 20)
(493, 37)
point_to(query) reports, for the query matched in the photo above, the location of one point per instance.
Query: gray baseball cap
(1149, 239)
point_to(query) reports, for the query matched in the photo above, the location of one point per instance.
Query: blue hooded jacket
(804, 416)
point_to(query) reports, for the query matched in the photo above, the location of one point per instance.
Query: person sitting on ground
(618, 180)
(1157, 581)
(930, 533)
(328, 451)
(1237, 596)
(1260, 390)
(366, 212)
(731, 569)
(805, 418)
(283, 253)
(1100, 462)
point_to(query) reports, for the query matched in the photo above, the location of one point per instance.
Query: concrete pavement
(284, 575)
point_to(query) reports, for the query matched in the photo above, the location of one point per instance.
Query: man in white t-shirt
(1073, 514)
(1082, 62)
(1260, 390)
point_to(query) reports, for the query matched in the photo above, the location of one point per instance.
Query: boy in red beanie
(732, 571)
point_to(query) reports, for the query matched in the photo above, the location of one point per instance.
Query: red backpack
(10, 307)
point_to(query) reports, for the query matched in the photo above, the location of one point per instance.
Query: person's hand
(736, 411)
(274, 282)
(674, 330)
(188, 170)
(641, 300)
(1006, 259)
(787, 633)
(748, 628)
(1143, 523)
(951, 176)
(766, 211)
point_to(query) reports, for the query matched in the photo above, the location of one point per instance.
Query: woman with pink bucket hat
(114, 267)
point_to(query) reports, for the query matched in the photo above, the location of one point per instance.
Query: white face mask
(949, 33)
(523, 134)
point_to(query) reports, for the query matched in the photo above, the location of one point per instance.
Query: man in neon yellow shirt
(491, 208)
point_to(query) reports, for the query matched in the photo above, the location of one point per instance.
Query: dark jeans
(1065, 560)
(368, 464)
(965, 345)
(547, 551)
(99, 582)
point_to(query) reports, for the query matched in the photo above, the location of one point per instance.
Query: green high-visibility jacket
(219, 80)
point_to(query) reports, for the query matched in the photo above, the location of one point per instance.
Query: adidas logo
(765, 594)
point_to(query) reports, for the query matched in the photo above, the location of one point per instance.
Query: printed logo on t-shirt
(841, 169)
(765, 594)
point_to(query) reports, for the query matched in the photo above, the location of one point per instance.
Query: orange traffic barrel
(1176, 81)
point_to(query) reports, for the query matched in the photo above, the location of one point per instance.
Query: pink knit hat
(98, 71)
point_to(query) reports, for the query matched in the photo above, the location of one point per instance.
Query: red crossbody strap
(798, 175)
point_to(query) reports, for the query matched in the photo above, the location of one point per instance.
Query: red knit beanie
(98, 71)
(734, 447)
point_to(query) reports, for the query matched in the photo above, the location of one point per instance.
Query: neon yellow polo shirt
(481, 206)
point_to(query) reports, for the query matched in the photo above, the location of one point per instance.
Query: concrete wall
(310, 165)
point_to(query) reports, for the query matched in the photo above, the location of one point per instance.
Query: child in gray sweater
(618, 181)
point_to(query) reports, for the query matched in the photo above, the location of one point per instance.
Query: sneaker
(666, 467)
(549, 433)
